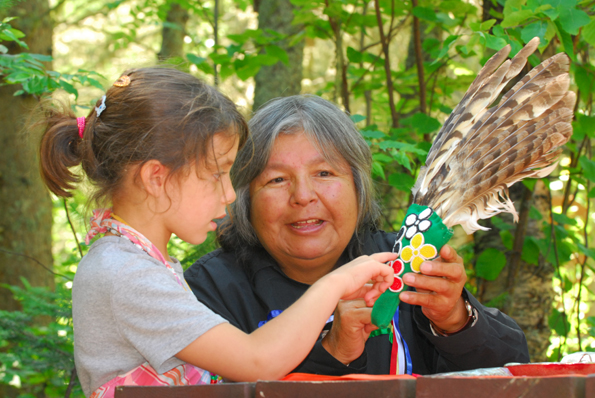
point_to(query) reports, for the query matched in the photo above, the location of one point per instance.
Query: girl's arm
(276, 348)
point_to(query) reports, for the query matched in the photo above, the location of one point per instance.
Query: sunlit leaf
(572, 19)
(489, 264)
(401, 181)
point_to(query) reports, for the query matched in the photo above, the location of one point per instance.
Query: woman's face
(303, 209)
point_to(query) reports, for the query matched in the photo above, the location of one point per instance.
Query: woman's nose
(303, 192)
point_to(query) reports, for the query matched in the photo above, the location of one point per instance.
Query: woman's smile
(312, 224)
(303, 209)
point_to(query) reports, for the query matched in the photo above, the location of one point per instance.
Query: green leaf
(530, 183)
(446, 46)
(587, 251)
(278, 53)
(489, 264)
(95, 83)
(535, 214)
(516, 18)
(195, 59)
(403, 146)
(487, 24)
(585, 123)
(422, 123)
(3, 49)
(536, 29)
(425, 13)
(382, 158)
(378, 170)
(500, 224)
(263, 59)
(592, 193)
(495, 43)
(354, 56)
(248, 71)
(558, 322)
(563, 219)
(401, 181)
(572, 19)
(588, 168)
(588, 33)
(357, 118)
(566, 41)
(530, 253)
(69, 88)
(507, 239)
(373, 134)
(402, 159)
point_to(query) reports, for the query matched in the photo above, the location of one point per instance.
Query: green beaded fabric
(420, 238)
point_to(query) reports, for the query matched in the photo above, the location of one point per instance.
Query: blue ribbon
(408, 363)
(275, 313)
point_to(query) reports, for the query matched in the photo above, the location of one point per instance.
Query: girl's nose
(229, 194)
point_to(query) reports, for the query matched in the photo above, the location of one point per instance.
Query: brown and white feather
(481, 151)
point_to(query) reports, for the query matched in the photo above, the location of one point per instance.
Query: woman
(304, 207)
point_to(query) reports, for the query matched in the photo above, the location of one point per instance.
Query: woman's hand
(439, 290)
(351, 327)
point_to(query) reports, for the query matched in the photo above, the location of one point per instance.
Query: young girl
(159, 147)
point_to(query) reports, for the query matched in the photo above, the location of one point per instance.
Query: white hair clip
(100, 108)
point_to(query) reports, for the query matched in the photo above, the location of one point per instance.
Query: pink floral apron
(102, 221)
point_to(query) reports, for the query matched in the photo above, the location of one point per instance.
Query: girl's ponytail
(60, 149)
(148, 113)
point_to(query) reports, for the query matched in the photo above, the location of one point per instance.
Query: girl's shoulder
(110, 255)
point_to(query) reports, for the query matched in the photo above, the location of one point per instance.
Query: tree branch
(35, 260)
(420, 63)
(387, 70)
(519, 240)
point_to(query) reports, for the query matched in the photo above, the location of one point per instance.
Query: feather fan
(479, 152)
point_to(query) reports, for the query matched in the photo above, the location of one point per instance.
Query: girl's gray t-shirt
(128, 309)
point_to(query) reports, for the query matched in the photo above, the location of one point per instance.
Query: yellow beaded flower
(418, 252)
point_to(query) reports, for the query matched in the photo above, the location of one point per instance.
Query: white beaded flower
(417, 223)
(397, 246)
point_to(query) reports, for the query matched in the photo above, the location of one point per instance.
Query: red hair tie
(80, 121)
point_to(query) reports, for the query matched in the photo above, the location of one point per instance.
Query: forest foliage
(398, 68)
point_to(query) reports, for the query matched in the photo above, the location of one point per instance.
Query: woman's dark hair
(162, 114)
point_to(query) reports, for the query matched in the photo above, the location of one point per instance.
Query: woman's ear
(153, 175)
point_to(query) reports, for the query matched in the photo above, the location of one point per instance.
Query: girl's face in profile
(201, 196)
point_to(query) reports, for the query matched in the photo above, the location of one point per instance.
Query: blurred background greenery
(397, 67)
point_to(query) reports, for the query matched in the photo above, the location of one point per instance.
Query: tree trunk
(279, 80)
(26, 208)
(525, 292)
(25, 205)
(172, 45)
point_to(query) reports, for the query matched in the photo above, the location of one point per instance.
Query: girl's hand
(362, 270)
(439, 290)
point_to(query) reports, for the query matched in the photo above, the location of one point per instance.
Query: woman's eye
(325, 173)
(276, 180)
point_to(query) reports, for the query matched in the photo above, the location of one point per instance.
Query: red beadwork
(398, 267)
(397, 285)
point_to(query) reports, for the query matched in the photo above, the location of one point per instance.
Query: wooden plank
(336, 389)
(590, 386)
(231, 390)
(501, 387)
